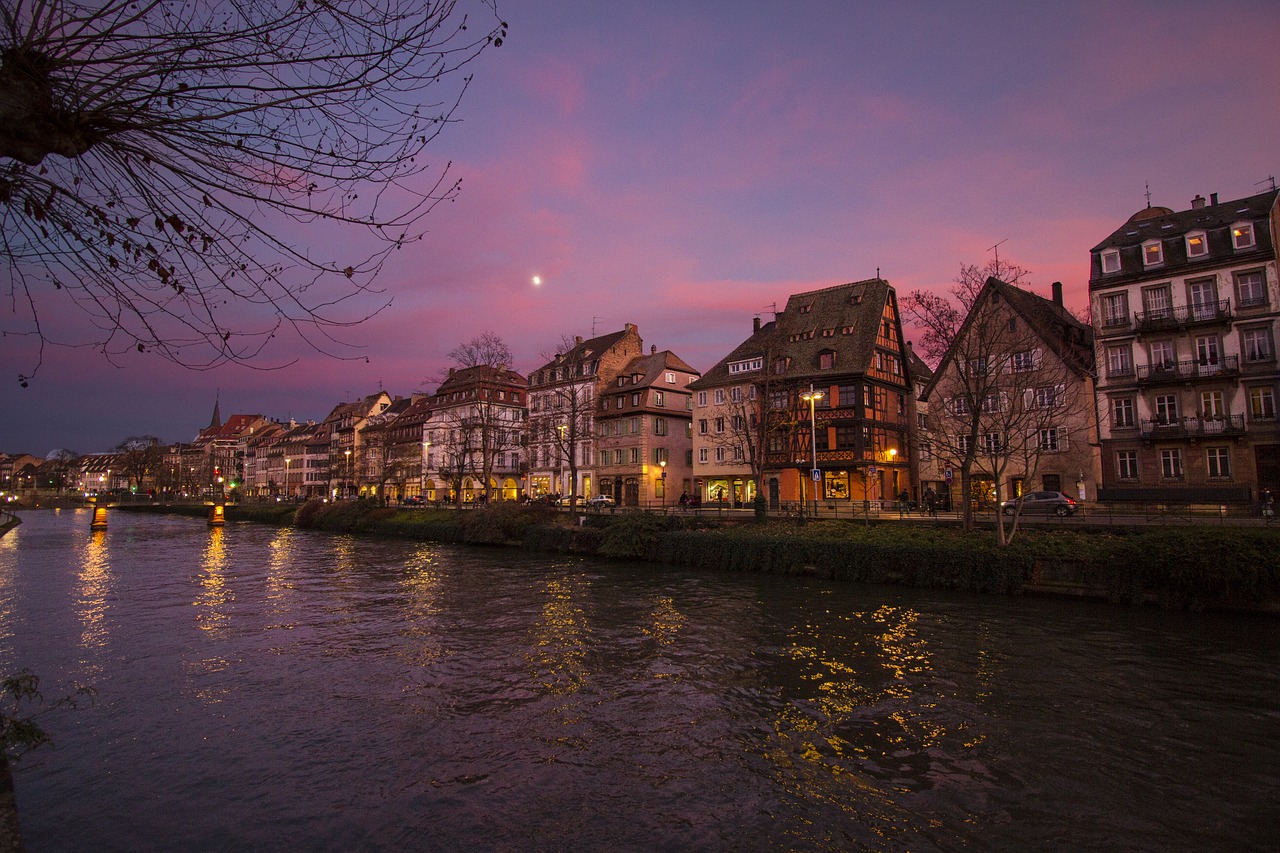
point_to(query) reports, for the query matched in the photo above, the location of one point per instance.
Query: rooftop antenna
(996, 249)
(1271, 179)
(1148, 193)
(773, 306)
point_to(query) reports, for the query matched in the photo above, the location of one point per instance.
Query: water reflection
(280, 588)
(93, 588)
(422, 588)
(560, 635)
(8, 591)
(214, 596)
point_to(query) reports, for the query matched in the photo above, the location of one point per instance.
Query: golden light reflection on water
(8, 577)
(92, 590)
(560, 637)
(215, 596)
(863, 716)
(279, 587)
(422, 586)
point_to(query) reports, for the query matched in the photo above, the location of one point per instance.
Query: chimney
(1197, 202)
(755, 324)
(1057, 293)
(577, 339)
(1213, 198)
(630, 327)
(653, 349)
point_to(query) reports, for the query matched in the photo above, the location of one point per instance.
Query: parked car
(600, 501)
(576, 500)
(1054, 502)
(414, 500)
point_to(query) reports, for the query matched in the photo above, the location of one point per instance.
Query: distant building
(1185, 309)
(475, 435)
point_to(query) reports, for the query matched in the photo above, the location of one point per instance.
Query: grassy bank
(1179, 567)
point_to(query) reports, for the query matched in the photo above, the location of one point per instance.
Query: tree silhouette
(160, 161)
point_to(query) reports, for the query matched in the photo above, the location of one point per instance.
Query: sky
(686, 166)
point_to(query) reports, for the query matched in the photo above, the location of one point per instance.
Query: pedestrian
(931, 502)
(684, 500)
(1268, 506)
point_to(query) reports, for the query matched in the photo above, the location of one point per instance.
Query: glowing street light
(813, 397)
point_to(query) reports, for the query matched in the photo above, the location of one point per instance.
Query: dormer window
(1197, 245)
(1242, 235)
(1152, 253)
(826, 360)
(1110, 260)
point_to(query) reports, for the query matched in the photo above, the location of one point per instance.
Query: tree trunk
(10, 835)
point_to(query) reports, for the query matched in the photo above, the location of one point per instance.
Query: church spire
(216, 420)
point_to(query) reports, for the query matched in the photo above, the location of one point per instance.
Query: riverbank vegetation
(1191, 566)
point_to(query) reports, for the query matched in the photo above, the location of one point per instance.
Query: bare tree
(141, 455)
(1004, 383)
(486, 349)
(157, 161)
(453, 434)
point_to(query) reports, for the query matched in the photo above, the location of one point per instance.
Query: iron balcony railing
(1193, 427)
(1177, 316)
(1181, 371)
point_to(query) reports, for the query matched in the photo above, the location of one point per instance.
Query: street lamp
(813, 397)
(563, 455)
(426, 464)
(347, 485)
(663, 463)
(286, 476)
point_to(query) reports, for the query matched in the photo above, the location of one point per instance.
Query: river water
(274, 689)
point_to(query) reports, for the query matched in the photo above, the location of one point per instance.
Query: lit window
(1242, 235)
(1152, 253)
(1197, 245)
(1111, 261)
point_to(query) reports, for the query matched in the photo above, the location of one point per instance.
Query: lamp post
(426, 465)
(663, 463)
(563, 455)
(347, 485)
(813, 397)
(287, 460)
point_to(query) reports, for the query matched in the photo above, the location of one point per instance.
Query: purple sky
(686, 165)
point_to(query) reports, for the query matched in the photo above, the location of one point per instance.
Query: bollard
(217, 515)
(99, 521)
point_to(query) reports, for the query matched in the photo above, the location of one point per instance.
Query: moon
(537, 280)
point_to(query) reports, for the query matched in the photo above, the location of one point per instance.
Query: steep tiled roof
(652, 367)
(1161, 222)
(844, 319)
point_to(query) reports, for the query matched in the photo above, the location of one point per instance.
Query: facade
(643, 442)
(832, 404)
(343, 426)
(1185, 310)
(562, 401)
(476, 435)
(1010, 407)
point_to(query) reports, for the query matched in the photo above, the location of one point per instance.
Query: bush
(632, 536)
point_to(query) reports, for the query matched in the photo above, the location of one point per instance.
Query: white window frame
(1245, 283)
(1152, 253)
(1243, 236)
(1115, 309)
(1217, 462)
(702, 398)
(1256, 346)
(1122, 413)
(1197, 245)
(1171, 463)
(1110, 261)
(1127, 465)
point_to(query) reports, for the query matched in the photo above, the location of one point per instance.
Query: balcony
(1182, 316)
(1228, 426)
(1227, 367)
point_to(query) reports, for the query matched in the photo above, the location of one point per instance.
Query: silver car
(1046, 502)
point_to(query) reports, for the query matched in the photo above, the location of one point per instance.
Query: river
(275, 689)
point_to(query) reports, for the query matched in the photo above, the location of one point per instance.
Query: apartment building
(1185, 309)
(475, 435)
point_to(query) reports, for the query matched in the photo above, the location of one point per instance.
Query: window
(977, 366)
(1021, 362)
(1052, 439)
(746, 366)
(1256, 344)
(826, 360)
(658, 398)
(659, 426)
(1162, 355)
(1110, 261)
(1119, 361)
(1212, 405)
(1262, 403)
(1047, 396)
(960, 406)
(848, 395)
(702, 426)
(660, 455)
(1204, 299)
(702, 454)
(719, 425)
(1250, 290)
(735, 394)
(992, 403)
(702, 398)
(964, 443)
(1127, 464)
(1218, 461)
(1197, 245)
(992, 443)
(846, 437)
(719, 396)
(1152, 253)
(719, 454)
(635, 455)
(633, 426)
(1207, 355)
(671, 379)
(635, 398)
(1242, 235)
(1122, 412)
(1171, 463)
(1157, 302)
(1167, 409)
(620, 401)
